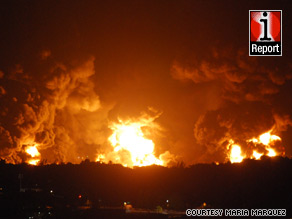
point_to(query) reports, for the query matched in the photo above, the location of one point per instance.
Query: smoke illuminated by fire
(68, 121)
(265, 143)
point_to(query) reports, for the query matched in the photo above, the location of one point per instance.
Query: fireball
(33, 161)
(271, 152)
(34, 153)
(264, 143)
(132, 144)
(267, 140)
(256, 155)
(235, 155)
(129, 137)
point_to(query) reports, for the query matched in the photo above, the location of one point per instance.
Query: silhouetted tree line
(250, 184)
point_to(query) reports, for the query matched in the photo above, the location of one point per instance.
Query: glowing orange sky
(68, 70)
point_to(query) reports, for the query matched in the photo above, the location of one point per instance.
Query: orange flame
(33, 161)
(256, 155)
(130, 145)
(130, 137)
(100, 158)
(235, 155)
(272, 153)
(34, 153)
(267, 138)
(265, 141)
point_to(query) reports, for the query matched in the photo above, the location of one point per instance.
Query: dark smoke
(70, 68)
(60, 112)
(248, 90)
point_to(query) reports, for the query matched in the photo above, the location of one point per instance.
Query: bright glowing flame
(267, 138)
(100, 158)
(129, 137)
(271, 152)
(275, 138)
(34, 153)
(264, 142)
(33, 161)
(235, 153)
(256, 155)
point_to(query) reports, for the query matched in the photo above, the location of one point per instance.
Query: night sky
(68, 69)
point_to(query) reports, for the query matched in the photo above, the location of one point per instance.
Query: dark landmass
(95, 190)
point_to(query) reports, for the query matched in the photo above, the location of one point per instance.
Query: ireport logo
(265, 32)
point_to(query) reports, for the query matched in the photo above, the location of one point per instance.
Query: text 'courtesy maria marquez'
(236, 212)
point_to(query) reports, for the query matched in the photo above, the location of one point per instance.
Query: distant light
(204, 204)
(167, 201)
(51, 191)
(79, 196)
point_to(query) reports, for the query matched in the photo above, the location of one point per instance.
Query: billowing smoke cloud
(240, 77)
(61, 114)
(59, 111)
(247, 91)
(52, 94)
